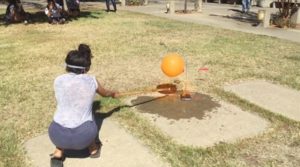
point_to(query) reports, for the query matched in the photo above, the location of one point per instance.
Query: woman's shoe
(56, 161)
(97, 153)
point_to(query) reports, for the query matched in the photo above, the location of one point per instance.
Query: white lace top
(74, 95)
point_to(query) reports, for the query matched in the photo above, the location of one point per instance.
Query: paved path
(223, 16)
(119, 149)
(276, 98)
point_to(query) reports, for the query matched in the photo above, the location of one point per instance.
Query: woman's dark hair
(53, 4)
(80, 59)
(85, 49)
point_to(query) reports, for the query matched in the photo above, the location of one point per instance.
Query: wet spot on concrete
(172, 107)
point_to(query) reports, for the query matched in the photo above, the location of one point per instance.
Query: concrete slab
(225, 123)
(119, 149)
(276, 98)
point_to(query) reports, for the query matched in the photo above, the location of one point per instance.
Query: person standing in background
(108, 5)
(246, 4)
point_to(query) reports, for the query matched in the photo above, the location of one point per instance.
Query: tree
(198, 5)
(185, 6)
(65, 5)
(145, 2)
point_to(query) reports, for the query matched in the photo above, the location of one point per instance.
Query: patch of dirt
(172, 107)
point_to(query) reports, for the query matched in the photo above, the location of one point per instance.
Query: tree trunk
(171, 7)
(123, 2)
(65, 5)
(145, 2)
(198, 5)
(185, 6)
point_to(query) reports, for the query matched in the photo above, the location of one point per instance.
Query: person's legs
(114, 5)
(244, 5)
(58, 153)
(107, 5)
(77, 138)
(62, 137)
(57, 158)
(248, 5)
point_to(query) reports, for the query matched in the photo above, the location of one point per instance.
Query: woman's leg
(57, 158)
(107, 5)
(58, 153)
(114, 5)
(244, 5)
(62, 137)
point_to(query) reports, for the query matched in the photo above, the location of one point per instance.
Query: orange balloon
(172, 64)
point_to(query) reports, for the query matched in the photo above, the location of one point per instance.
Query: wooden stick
(130, 93)
(164, 89)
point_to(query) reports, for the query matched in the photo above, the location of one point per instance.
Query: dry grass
(127, 49)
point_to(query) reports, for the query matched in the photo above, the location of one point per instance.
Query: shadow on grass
(238, 15)
(40, 17)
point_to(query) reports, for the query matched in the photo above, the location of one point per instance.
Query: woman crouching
(74, 127)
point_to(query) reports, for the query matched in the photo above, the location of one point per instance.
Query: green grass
(127, 49)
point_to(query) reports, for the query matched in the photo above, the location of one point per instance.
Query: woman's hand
(116, 94)
(106, 93)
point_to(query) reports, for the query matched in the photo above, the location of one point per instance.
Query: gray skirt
(73, 138)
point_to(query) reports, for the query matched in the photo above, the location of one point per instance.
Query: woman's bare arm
(104, 92)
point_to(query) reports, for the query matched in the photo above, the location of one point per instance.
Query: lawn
(127, 49)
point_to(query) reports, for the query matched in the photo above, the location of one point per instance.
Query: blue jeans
(246, 5)
(113, 3)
